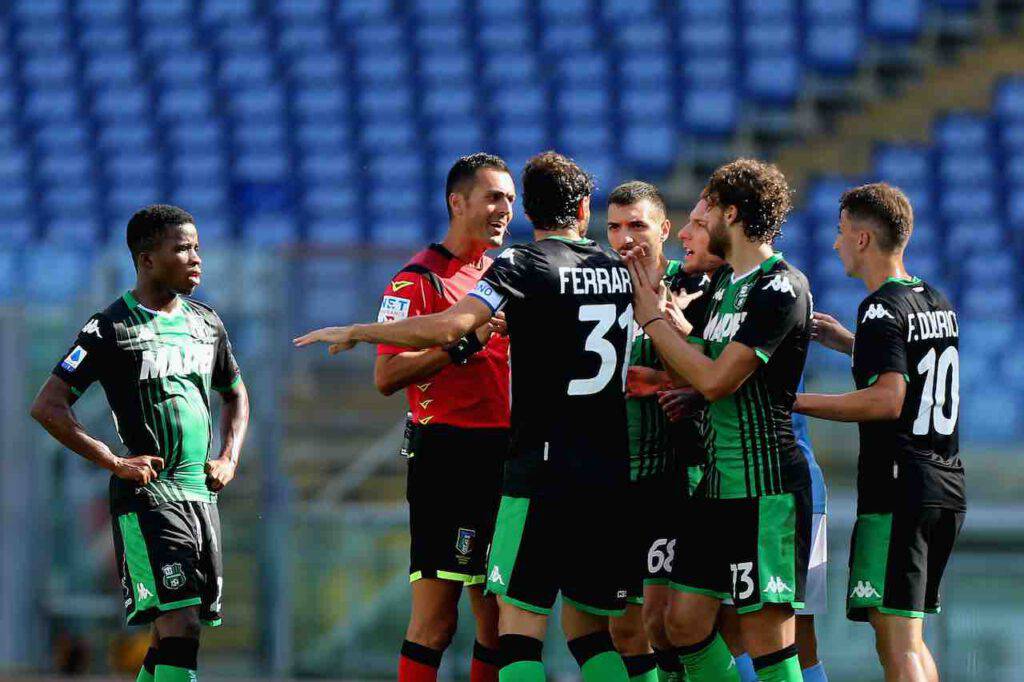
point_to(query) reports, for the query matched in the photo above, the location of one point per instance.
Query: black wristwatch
(466, 347)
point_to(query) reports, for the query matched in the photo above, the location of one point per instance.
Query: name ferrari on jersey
(723, 327)
(393, 308)
(584, 281)
(932, 324)
(174, 361)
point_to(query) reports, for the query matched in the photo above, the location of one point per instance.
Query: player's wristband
(643, 327)
(468, 346)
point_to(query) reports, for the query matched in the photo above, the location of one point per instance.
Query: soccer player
(458, 435)
(910, 479)
(745, 358)
(159, 356)
(559, 527)
(637, 215)
(699, 260)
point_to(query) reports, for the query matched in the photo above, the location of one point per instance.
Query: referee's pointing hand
(339, 338)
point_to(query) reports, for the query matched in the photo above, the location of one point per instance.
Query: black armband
(466, 347)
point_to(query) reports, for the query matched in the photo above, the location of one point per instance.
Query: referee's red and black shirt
(474, 395)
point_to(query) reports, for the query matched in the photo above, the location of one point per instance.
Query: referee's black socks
(597, 658)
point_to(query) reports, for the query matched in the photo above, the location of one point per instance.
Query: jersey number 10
(933, 395)
(604, 315)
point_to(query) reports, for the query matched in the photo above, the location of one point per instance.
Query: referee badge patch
(464, 541)
(393, 308)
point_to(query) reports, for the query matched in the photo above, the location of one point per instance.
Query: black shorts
(453, 487)
(657, 509)
(574, 543)
(754, 551)
(169, 557)
(897, 560)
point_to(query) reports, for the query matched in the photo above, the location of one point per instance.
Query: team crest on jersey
(464, 542)
(92, 327)
(74, 359)
(876, 311)
(199, 329)
(393, 308)
(781, 283)
(174, 577)
(741, 296)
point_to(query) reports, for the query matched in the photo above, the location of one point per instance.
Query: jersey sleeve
(506, 279)
(226, 373)
(88, 358)
(696, 312)
(879, 345)
(405, 296)
(775, 306)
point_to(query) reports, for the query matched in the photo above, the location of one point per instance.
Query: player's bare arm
(392, 373)
(52, 408)
(830, 332)
(422, 331)
(714, 379)
(234, 422)
(881, 401)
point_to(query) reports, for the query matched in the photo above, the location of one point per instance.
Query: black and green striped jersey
(751, 450)
(651, 451)
(157, 370)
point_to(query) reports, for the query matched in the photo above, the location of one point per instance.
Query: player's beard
(718, 239)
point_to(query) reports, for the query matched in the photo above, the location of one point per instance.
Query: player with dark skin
(172, 269)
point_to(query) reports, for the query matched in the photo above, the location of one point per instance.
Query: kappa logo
(780, 283)
(398, 286)
(143, 592)
(719, 294)
(876, 311)
(776, 585)
(495, 576)
(92, 327)
(174, 577)
(864, 590)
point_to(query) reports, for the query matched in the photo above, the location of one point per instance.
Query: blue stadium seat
(241, 68)
(654, 68)
(41, 261)
(70, 200)
(447, 65)
(582, 70)
(355, 11)
(119, 104)
(437, 36)
(902, 164)
(823, 197)
(61, 168)
(243, 36)
(314, 38)
(327, 104)
(191, 68)
(375, 103)
(14, 200)
(216, 12)
(102, 11)
(707, 10)
(49, 70)
(257, 103)
(516, 141)
(629, 10)
(504, 36)
(327, 137)
(11, 279)
(895, 21)
(716, 72)
(796, 240)
(333, 166)
(100, 37)
(164, 10)
(712, 37)
(301, 10)
(185, 104)
(651, 149)
(834, 48)
(64, 137)
(335, 230)
(527, 104)
(773, 79)
(398, 229)
(268, 165)
(580, 138)
(52, 105)
(120, 67)
(451, 10)
(1011, 137)
(992, 301)
(583, 104)
(387, 67)
(457, 137)
(270, 229)
(968, 133)
(757, 11)
(374, 36)
(771, 36)
(568, 39)
(76, 229)
(642, 35)
(960, 203)
(972, 234)
(42, 37)
(1013, 170)
(646, 104)
(327, 68)
(441, 103)
(957, 169)
(379, 136)
(990, 268)
(1008, 102)
(196, 136)
(565, 10)
(260, 135)
(833, 10)
(330, 198)
(511, 70)
(159, 40)
(710, 112)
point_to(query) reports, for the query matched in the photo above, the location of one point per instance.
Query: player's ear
(730, 214)
(666, 229)
(457, 202)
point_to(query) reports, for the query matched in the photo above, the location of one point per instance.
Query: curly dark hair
(759, 192)
(148, 225)
(887, 207)
(463, 173)
(631, 192)
(553, 186)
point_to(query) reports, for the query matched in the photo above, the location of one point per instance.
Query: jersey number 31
(604, 315)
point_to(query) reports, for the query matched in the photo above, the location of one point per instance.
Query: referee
(458, 425)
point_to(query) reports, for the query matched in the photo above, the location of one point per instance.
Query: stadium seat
(321, 104)
(650, 149)
(270, 229)
(833, 10)
(895, 21)
(654, 105)
(121, 104)
(965, 133)
(503, 36)
(709, 112)
(834, 48)
(902, 164)
(355, 11)
(301, 10)
(41, 261)
(1008, 102)
(330, 199)
(772, 79)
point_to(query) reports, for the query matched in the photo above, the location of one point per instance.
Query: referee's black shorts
(453, 488)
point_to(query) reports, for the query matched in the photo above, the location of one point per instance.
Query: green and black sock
(642, 668)
(779, 666)
(177, 660)
(669, 667)
(148, 669)
(709, 660)
(598, 660)
(520, 659)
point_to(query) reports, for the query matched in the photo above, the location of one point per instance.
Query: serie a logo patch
(74, 359)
